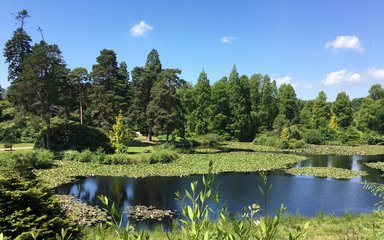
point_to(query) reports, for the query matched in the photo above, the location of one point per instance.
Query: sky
(314, 45)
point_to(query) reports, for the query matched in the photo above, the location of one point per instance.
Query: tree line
(156, 101)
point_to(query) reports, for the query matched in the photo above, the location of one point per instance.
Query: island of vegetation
(149, 122)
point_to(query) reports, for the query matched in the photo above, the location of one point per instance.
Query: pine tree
(321, 111)
(240, 107)
(164, 112)
(220, 108)
(342, 109)
(109, 90)
(143, 80)
(199, 119)
(17, 48)
(42, 82)
(287, 102)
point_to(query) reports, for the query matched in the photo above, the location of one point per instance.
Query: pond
(300, 194)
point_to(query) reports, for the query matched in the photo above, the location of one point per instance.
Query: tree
(342, 109)
(287, 102)
(199, 118)
(120, 135)
(41, 82)
(109, 90)
(164, 112)
(17, 48)
(143, 80)
(220, 108)
(268, 103)
(79, 82)
(371, 113)
(333, 123)
(240, 106)
(320, 111)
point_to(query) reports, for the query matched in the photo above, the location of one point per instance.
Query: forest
(154, 101)
(149, 126)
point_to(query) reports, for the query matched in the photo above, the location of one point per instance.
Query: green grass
(329, 172)
(313, 149)
(187, 164)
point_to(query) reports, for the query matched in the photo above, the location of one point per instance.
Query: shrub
(99, 156)
(211, 140)
(38, 159)
(162, 156)
(73, 136)
(293, 143)
(71, 155)
(42, 159)
(295, 132)
(267, 139)
(283, 144)
(26, 208)
(85, 156)
(120, 159)
(313, 136)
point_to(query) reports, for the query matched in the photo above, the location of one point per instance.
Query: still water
(300, 194)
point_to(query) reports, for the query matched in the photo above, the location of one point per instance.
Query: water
(300, 194)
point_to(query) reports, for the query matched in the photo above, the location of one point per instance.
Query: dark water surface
(300, 194)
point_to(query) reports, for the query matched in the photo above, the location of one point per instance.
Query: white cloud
(227, 39)
(341, 76)
(283, 80)
(375, 72)
(345, 43)
(139, 29)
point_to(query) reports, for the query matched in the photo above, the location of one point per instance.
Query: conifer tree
(342, 109)
(321, 111)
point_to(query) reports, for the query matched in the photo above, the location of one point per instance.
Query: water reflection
(300, 194)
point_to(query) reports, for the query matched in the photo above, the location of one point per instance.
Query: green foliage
(266, 139)
(163, 156)
(313, 136)
(109, 93)
(342, 109)
(120, 135)
(26, 210)
(287, 102)
(372, 111)
(38, 159)
(321, 112)
(293, 143)
(210, 140)
(285, 134)
(333, 123)
(72, 136)
(85, 156)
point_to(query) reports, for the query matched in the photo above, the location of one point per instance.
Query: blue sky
(313, 44)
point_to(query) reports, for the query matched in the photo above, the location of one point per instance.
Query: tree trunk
(48, 135)
(149, 138)
(167, 137)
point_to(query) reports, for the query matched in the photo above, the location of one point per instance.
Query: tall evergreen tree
(109, 90)
(342, 109)
(199, 118)
(240, 108)
(287, 102)
(79, 83)
(143, 80)
(42, 82)
(17, 48)
(371, 113)
(321, 112)
(164, 111)
(220, 108)
(268, 103)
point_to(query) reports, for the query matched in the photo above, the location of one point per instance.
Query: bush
(283, 144)
(85, 156)
(267, 139)
(73, 136)
(295, 132)
(313, 136)
(42, 159)
(293, 143)
(210, 140)
(26, 208)
(38, 159)
(71, 155)
(119, 159)
(162, 156)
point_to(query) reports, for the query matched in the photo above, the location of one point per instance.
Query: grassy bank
(187, 164)
(322, 227)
